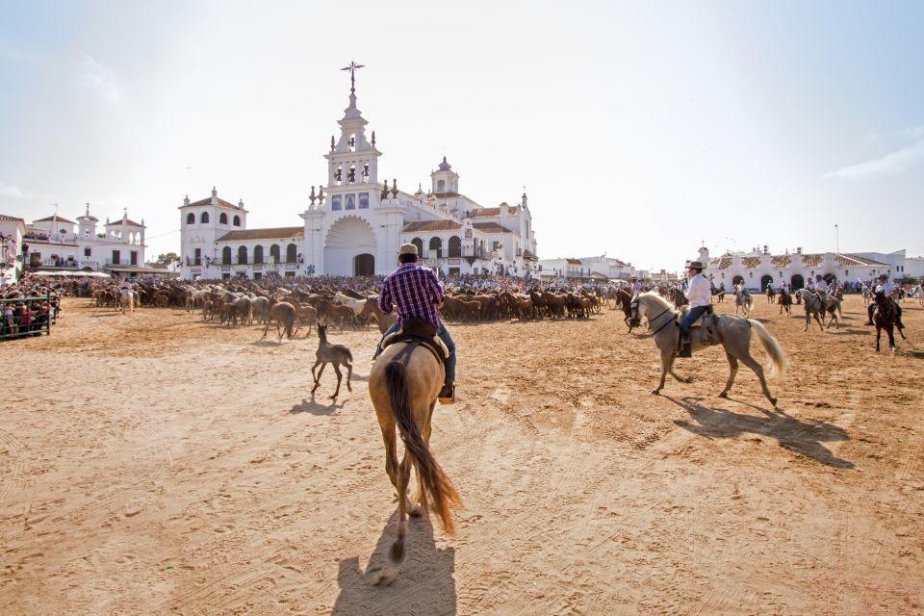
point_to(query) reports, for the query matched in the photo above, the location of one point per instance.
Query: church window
(274, 253)
(204, 218)
(336, 202)
(364, 201)
(190, 219)
(226, 255)
(351, 176)
(258, 254)
(223, 218)
(441, 186)
(455, 246)
(242, 255)
(291, 252)
(87, 251)
(237, 221)
(338, 176)
(350, 202)
(436, 247)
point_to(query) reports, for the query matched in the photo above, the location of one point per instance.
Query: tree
(168, 258)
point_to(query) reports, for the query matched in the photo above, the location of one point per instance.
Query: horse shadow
(425, 584)
(316, 408)
(802, 437)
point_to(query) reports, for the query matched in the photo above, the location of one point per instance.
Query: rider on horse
(417, 293)
(699, 295)
(885, 287)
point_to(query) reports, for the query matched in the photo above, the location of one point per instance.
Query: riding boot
(686, 350)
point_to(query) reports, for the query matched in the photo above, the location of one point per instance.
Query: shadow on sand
(316, 408)
(425, 584)
(803, 438)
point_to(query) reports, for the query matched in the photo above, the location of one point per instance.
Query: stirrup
(447, 397)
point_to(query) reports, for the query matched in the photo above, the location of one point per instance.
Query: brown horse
(404, 384)
(886, 318)
(785, 301)
(624, 302)
(372, 310)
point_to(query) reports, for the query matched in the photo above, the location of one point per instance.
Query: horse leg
(317, 379)
(404, 476)
(878, 335)
(751, 363)
(732, 371)
(349, 376)
(667, 360)
(890, 330)
(339, 379)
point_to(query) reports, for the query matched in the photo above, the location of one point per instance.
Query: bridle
(651, 320)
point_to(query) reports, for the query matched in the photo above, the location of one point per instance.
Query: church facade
(354, 225)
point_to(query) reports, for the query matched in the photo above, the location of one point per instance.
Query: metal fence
(27, 316)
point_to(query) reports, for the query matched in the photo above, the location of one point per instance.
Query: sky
(639, 129)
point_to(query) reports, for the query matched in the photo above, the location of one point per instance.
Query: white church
(355, 224)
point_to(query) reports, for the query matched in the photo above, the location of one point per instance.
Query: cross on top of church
(353, 67)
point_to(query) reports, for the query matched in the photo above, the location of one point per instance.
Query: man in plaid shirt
(416, 293)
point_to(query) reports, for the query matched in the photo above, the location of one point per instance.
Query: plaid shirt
(416, 292)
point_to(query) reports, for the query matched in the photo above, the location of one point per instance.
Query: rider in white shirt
(699, 294)
(887, 287)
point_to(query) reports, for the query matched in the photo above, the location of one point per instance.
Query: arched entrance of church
(764, 281)
(348, 239)
(364, 265)
(797, 282)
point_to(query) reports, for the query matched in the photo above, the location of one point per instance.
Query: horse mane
(658, 299)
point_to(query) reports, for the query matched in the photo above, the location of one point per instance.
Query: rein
(658, 316)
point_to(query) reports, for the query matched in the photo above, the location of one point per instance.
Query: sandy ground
(154, 464)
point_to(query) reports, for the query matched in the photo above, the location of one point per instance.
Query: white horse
(734, 334)
(743, 300)
(356, 305)
(126, 298)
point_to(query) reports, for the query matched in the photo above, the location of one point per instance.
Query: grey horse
(743, 300)
(734, 334)
(819, 308)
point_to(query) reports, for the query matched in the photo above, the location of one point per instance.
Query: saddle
(419, 331)
(708, 322)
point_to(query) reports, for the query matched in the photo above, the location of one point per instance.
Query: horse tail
(777, 356)
(443, 493)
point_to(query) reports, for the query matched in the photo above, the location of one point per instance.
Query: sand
(157, 464)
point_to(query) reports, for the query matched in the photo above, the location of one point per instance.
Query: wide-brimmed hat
(407, 249)
(883, 275)
(695, 265)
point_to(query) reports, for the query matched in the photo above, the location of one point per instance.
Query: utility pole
(837, 238)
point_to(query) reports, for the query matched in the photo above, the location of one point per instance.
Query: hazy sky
(639, 129)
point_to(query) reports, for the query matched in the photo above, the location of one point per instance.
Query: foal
(335, 354)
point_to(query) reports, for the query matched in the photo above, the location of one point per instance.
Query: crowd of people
(29, 307)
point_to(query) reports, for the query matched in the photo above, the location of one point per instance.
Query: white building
(12, 230)
(355, 224)
(55, 243)
(600, 267)
(758, 267)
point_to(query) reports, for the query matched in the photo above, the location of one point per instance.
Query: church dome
(445, 166)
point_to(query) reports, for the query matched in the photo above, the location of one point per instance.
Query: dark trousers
(688, 320)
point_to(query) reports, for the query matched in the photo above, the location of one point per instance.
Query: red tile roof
(431, 225)
(5, 218)
(272, 233)
(490, 227)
